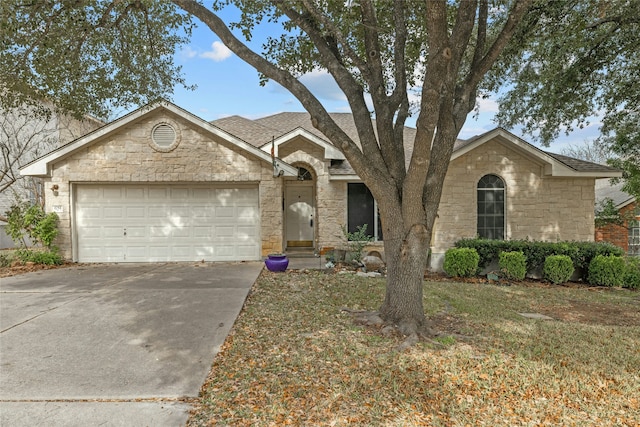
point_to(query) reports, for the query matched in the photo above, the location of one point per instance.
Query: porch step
(297, 252)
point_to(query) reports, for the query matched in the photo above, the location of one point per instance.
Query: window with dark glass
(491, 202)
(362, 209)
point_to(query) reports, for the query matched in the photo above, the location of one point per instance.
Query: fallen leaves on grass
(295, 359)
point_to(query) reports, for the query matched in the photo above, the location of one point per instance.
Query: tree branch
(320, 118)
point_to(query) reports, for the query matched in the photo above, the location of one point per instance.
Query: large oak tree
(85, 54)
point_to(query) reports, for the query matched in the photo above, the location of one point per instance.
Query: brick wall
(617, 234)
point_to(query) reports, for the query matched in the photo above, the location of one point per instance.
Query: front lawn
(294, 358)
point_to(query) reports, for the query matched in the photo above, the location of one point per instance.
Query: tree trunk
(406, 263)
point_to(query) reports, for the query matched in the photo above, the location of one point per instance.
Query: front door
(299, 219)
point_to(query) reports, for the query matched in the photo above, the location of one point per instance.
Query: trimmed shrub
(632, 273)
(47, 257)
(461, 262)
(558, 268)
(513, 265)
(581, 253)
(607, 270)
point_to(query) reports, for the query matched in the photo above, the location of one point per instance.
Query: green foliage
(581, 253)
(558, 268)
(607, 270)
(46, 257)
(632, 273)
(26, 220)
(113, 54)
(461, 262)
(5, 260)
(513, 265)
(356, 241)
(606, 213)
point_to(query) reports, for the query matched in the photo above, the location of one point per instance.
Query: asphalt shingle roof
(260, 131)
(581, 165)
(606, 190)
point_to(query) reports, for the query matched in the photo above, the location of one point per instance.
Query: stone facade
(128, 156)
(538, 207)
(330, 196)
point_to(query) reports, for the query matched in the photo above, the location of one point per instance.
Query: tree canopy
(89, 57)
(582, 64)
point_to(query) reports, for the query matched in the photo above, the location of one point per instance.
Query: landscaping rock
(372, 263)
(369, 274)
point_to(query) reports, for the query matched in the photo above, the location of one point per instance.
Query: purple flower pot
(276, 262)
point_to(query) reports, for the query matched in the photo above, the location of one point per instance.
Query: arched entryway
(299, 207)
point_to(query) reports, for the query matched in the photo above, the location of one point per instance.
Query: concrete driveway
(114, 344)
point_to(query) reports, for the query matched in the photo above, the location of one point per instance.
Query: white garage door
(150, 223)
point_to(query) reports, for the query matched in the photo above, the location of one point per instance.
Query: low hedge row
(581, 253)
(606, 264)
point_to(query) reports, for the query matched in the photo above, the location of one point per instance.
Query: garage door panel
(244, 251)
(246, 232)
(109, 232)
(112, 193)
(133, 212)
(136, 252)
(179, 193)
(92, 232)
(158, 193)
(113, 212)
(157, 212)
(159, 231)
(92, 212)
(135, 193)
(159, 252)
(166, 223)
(133, 232)
(180, 232)
(224, 212)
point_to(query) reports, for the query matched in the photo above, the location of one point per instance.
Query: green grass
(294, 358)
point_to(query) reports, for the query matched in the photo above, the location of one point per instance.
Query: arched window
(304, 175)
(491, 201)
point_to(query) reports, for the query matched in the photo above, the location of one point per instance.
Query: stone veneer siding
(330, 196)
(128, 157)
(538, 207)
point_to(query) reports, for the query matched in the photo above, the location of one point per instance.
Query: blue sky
(227, 86)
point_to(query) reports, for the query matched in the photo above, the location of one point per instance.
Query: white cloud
(487, 105)
(188, 52)
(323, 86)
(219, 52)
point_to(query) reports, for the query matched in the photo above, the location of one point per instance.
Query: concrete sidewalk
(114, 344)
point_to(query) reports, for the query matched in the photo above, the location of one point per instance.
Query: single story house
(627, 234)
(160, 184)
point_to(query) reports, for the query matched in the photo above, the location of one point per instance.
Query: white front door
(299, 220)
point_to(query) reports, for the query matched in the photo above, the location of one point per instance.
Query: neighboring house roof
(42, 165)
(606, 190)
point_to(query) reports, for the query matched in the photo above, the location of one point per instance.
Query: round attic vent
(163, 135)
